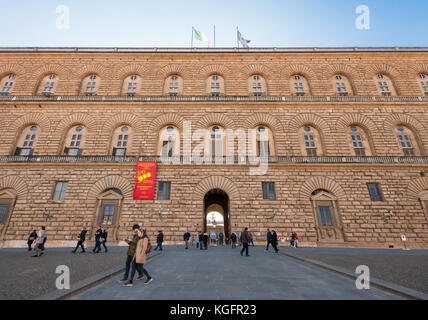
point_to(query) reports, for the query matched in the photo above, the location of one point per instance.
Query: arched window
(122, 138)
(7, 84)
(215, 85)
(169, 142)
(263, 141)
(342, 86)
(7, 200)
(75, 140)
(27, 141)
(328, 224)
(216, 147)
(385, 86)
(173, 86)
(48, 85)
(299, 85)
(359, 141)
(257, 86)
(406, 140)
(90, 85)
(310, 141)
(131, 85)
(423, 81)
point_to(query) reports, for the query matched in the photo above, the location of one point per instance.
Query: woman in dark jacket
(274, 241)
(31, 238)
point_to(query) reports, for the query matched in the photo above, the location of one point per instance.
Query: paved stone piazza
(324, 198)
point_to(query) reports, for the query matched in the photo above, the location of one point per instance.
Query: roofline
(208, 50)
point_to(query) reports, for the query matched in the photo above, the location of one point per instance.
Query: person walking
(296, 240)
(201, 240)
(159, 240)
(245, 240)
(274, 241)
(31, 238)
(80, 240)
(233, 237)
(186, 238)
(250, 235)
(103, 239)
(197, 239)
(97, 247)
(292, 239)
(131, 252)
(40, 240)
(139, 258)
(221, 238)
(268, 239)
(205, 241)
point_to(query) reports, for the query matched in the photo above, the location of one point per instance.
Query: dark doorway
(221, 199)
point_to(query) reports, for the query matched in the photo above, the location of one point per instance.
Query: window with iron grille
(375, 192)
(60, 190)
(164, 190)
(268, 189)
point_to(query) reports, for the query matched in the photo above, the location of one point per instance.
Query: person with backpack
(139, 259)
(274, 241)
(159, 240)
(80, 240)
(233, 237)
(31, 238)
(186, 238)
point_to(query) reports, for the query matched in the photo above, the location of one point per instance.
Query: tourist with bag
(80, 240)
(31, 238)
(139, 259)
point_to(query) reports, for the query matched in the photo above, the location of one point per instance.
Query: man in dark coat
(268, 239)
(245, 240)
(201, 240)
(159, 240)
(31, 238)
(103, 239)
(186, 238)
(98, 233)
(205, 241)
(274, 241)
(80, 240)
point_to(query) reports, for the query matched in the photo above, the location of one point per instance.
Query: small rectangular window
(60, 189)
(164, 190)
(375, 192)
(268, 189)
(4, 209)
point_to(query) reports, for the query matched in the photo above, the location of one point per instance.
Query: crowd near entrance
(216, 216)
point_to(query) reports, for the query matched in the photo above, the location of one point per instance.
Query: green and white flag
(201, 37)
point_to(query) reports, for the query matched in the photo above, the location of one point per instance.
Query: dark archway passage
(220, 198)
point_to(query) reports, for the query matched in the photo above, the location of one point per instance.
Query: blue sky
(168, 23)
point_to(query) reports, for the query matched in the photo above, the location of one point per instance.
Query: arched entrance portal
(216, 200)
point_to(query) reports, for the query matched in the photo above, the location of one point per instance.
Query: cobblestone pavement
(408, 268)
(221, 273)
(24, 277)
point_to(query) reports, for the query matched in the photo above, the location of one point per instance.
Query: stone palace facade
(346, 142)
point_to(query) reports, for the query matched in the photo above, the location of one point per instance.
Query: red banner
(145, 180)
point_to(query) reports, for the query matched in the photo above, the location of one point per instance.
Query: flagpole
(237, 39)
(191, 43)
